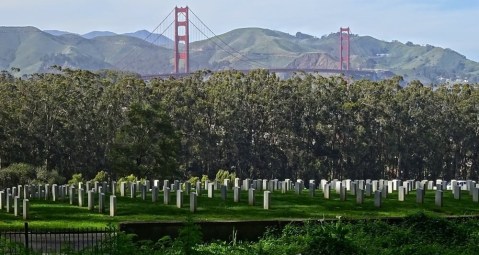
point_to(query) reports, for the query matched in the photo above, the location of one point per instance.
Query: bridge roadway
(353, 73)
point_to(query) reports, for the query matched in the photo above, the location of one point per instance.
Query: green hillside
(33, 50)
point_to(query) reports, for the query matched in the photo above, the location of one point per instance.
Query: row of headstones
(177, 187)
(359, 188)
(13, 203)
(366, 187)
(60, 192)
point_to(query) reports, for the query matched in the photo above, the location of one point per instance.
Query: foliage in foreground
(416, 234)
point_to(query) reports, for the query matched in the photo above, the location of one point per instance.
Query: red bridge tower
(344, 48)
(182, 35)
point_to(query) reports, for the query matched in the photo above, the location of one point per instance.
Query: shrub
(76, 178)
(128, 178)
(17, 174)
(46, 176)
(221, 175)
(193, 180)
(204, 178)
(101, 176)
(188, 236)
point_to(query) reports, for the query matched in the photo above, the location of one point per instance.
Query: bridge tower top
(344, 48)
(182, 39)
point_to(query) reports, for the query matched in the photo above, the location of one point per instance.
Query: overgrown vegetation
(416, 234)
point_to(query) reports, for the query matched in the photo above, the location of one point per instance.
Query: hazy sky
(446, 23)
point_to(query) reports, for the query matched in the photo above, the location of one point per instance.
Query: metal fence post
(26, 237)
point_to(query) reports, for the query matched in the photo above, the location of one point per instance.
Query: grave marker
(113, 189)
(251, 196)
(143, 192)
(198, 188)
(377, 198)
(81, 194)
(112, 205)
(343, 193)
(26, 209)
(211, 193)
(223, 192)
(179, 198)
(16, 206)
(438, 198)
(267, 200)
(2, 199)
(359, 196)
(475, 194)
(154, 194)
(122, 189)
(457, 191)
(91, 200)
(166, 196)
(401, 191)
(237, 194)
(9, 202)
(326, 190)
(101, 202)
(71, 194)
(133, 190)
(193, 202)
(368, 191)
(420, 196)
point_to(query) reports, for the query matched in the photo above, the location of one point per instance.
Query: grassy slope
(284, 206)
(270, 48)
(124, 52)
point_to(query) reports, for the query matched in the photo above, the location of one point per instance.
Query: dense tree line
(255, 124)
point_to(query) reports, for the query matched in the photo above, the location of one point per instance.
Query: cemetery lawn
(47, 214)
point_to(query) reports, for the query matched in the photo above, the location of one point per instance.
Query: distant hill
(153, 38)
(95, 34)
(56, 32)
(33, 50)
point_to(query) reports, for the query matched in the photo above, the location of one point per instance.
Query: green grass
(284, 207)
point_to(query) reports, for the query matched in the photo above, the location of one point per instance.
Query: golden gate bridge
(185, 23)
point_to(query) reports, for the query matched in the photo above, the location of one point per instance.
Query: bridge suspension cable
(231, 50)
(129, 54)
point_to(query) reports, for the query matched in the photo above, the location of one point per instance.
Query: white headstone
(166, 196)
(91, 200)
(420, 196)
(154, 194)
(26, 209)
(251, 196)
(438, 198)
(101, 202)
(401, 193)
(359, 196)
(179, 198)
(112, 205)
(211, 190)
(81, 195)
(237, 194)
(267, 200)
(16, 206)
(377, 198)
(193, 202)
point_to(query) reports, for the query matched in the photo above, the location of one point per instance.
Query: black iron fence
(28, 240)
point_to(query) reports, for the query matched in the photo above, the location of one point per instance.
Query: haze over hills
(33, 50)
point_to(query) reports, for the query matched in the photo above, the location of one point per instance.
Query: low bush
(15, 174)
(76, 178)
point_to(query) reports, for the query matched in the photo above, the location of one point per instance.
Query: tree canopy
(255, 125)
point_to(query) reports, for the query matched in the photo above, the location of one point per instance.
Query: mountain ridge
(33, 50)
